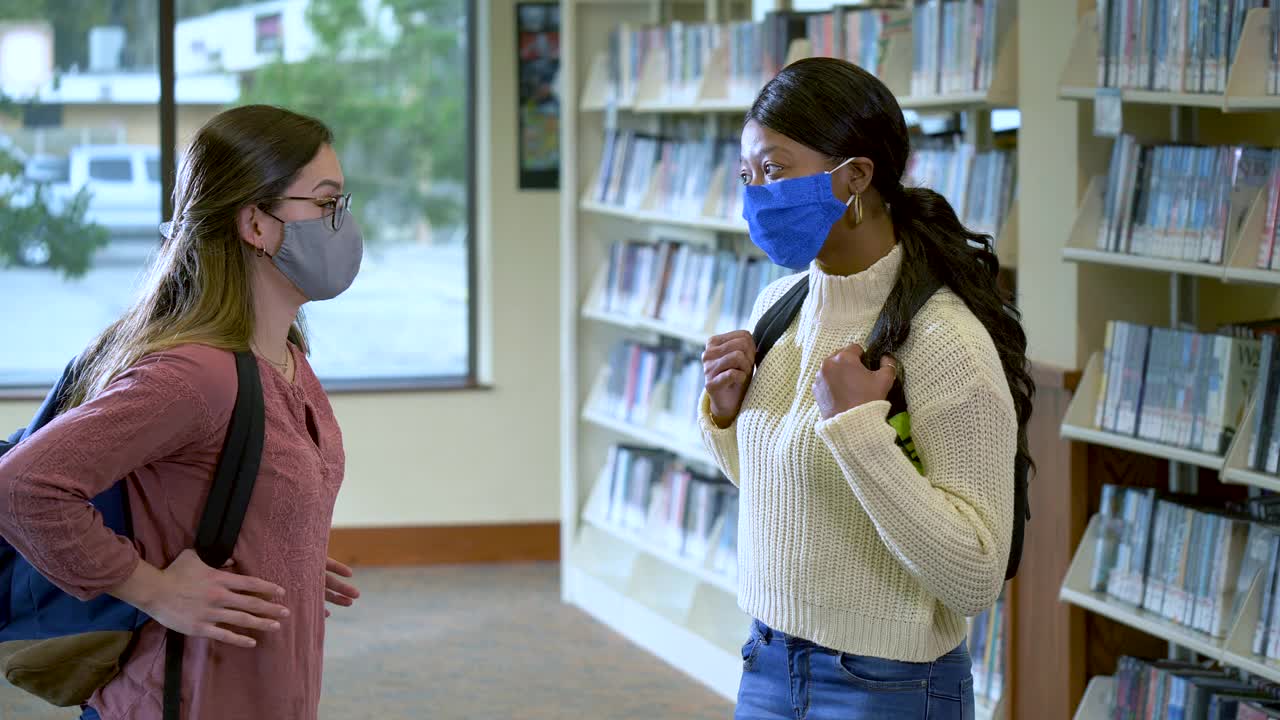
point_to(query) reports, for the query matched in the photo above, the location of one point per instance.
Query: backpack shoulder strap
(237, 471)
(779, 317)
(918, 299)
(226, 505)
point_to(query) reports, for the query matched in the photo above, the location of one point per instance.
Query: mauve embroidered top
(161, 425)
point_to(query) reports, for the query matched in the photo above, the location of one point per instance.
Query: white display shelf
(699, 223)
(1233, 650)
(680, 646)
(1240, 252)
(1099, 698)
(1237, 470)
(596, 515)
(1246, 79)
(687, 449)
(1079, 425)
(628, 322)
(989, 710)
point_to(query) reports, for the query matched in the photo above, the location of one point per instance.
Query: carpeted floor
(476, 643)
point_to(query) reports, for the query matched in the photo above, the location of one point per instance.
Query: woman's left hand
(844, 383)
(335, 590)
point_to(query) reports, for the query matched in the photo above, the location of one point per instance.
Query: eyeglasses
(336, 206)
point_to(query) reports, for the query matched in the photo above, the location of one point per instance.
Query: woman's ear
(861, 171)
(247, 222)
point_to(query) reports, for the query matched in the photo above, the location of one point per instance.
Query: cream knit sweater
(841, 541)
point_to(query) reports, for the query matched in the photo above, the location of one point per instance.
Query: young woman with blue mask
(859, 566)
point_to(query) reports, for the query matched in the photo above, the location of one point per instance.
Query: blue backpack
(62, 649)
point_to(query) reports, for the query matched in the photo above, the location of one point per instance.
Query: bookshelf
(1233, 468)
(681, 609)
(1246, 85)
(1157, 291)
(1232, 651)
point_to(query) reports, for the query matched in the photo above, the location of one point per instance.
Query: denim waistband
(768, 635)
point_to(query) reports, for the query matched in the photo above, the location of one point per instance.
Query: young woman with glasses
(262, 226)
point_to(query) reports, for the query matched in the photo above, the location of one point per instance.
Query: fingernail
(285, 613)
(253, 643)
(275, 626)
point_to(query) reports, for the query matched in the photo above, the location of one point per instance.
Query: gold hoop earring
(857, 208)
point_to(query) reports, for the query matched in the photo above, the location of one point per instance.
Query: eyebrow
(331, 183)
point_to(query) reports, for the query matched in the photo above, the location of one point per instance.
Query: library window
(86, 180)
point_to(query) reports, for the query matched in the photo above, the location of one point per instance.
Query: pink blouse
(161, 426)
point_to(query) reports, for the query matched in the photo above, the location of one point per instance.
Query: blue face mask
(790, 219)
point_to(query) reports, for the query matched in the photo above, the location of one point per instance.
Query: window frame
(168, 115)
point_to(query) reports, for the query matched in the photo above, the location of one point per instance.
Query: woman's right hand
(727, 365)
(199, 601)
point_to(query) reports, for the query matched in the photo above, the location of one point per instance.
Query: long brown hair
(198, 289)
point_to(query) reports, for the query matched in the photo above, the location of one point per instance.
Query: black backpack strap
(778, 318)
(226, 506)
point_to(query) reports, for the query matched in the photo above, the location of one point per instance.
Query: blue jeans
(90, 714)
(786, 678)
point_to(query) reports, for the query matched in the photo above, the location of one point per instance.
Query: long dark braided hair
(842, 111)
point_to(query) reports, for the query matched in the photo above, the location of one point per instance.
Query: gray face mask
(321, 261)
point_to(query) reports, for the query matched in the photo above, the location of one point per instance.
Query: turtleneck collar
(843, 300)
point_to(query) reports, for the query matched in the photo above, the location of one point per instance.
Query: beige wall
(485, 456)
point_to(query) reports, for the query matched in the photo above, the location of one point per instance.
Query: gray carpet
(476, 643)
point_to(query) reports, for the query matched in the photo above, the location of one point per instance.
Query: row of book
(860, 35)
(1180, 388)
(1158, 689)
(955, 44)
(675, 175)
(655, 495)
(987, 648)
(1174, 45)
(1264, 445)
(654, 386)
(1190, 563)
(979, 185)
(1180, 202)
(685, 286)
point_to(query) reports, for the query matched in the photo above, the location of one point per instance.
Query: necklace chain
(282, 367)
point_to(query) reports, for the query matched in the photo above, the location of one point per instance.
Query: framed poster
(538, 73)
